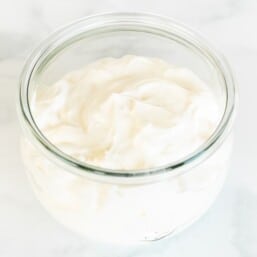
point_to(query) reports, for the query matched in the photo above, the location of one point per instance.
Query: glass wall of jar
(125, 205)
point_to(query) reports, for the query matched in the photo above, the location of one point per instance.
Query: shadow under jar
(125, 205)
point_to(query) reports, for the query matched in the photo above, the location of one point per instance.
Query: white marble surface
(229, 229)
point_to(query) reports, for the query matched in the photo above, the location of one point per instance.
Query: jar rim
(168, 25)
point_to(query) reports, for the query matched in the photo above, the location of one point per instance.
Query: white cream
(128, 113)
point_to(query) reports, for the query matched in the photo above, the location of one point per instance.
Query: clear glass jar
(118, 205)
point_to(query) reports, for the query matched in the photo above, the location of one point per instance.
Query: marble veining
(228, 229)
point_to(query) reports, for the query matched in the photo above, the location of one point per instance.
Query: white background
(229, 229)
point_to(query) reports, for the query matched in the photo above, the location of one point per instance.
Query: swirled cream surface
(127, 113)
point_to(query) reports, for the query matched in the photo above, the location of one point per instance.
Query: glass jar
(123, 205)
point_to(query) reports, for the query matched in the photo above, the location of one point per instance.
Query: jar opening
(126, 20)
